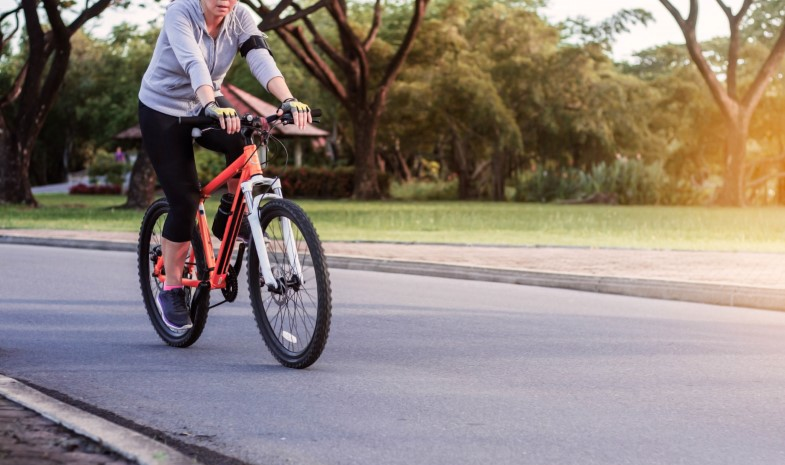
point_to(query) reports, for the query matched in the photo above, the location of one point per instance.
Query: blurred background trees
(492, 102)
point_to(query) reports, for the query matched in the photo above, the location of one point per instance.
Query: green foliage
(607, 31)
(104, 165)
(208, 164)
(546, 185)
(489, 88)
(305, 182)
(626, 181)
(424, 190)
(321, 183)
(98, 100)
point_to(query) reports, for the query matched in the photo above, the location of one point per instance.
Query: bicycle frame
(250, 192)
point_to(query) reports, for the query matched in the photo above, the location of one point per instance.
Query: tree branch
(282, 5)
(755, 92)
(692, 19)
(726, 104)
(324, 46)
(766, 161)
(320, 64)
(734, 21)
(38, 55)
(743, 10)
(7, 38)
(763, 179)
(359, 70)
(674, 12)
(318, 69)
(16, 87)
(403, 50)
(274, 22)
(13, 11)
(377, 22)
(56, 21)
(87, 14)
(351, 44)
(726, 9)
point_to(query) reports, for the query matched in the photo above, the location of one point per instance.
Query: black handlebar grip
(208, 121)
(197, 120)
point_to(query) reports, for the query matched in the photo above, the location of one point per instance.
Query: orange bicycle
(288, 280)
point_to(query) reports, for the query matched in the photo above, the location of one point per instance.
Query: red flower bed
(104, 189)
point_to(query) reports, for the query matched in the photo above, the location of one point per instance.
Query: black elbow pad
(254, 42)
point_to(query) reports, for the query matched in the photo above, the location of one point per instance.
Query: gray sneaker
(173, 311)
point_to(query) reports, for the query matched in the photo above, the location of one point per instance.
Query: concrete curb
(128, 443)
(708, 293)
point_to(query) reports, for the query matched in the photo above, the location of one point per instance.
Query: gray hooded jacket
(186, 58)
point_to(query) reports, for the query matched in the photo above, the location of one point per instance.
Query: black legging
(170, 148)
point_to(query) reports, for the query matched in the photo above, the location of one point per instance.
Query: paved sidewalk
(725, 278)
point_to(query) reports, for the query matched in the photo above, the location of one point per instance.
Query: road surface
(416, 371)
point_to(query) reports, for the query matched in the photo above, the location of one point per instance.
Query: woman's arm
(277, 86)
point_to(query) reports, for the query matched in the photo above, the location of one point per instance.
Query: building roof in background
(244, 103)
(133, 133)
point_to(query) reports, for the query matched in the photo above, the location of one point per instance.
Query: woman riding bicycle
(195, 49)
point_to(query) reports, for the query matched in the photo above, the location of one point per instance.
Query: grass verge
(684, 228)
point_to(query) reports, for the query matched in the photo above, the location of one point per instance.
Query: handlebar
(246, 120)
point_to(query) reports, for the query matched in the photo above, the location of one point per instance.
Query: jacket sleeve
(180, 32)
(260, 61)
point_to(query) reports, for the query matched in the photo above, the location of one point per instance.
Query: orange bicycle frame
(247, 165)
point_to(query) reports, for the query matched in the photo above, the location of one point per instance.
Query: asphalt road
(417, 370)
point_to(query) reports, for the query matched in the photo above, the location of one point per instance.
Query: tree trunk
(14, 168)
(466, 190)
(499, 174)
(366, 180)
(780, 168)
(732, 192)
(141, 186)
(406, 173)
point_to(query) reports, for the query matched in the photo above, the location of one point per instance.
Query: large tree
(344, 66)
(736, 104)
(25, 105)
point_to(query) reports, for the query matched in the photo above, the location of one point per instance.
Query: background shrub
(627, 181)
(104, 165)
(424, 190)
(103, 189)
(321, 182)
(304, 182)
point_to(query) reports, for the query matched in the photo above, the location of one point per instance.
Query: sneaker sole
(167, 322)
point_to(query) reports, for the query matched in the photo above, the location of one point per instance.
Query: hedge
(321, 183)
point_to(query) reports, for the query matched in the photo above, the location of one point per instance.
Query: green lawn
(692, 228)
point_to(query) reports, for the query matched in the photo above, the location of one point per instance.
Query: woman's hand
(301, 112)
(228, 117)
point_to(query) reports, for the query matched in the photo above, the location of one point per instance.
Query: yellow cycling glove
(214, 111)
(292, 105)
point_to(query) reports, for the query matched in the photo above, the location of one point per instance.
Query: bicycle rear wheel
(149, 253)
(294, 321)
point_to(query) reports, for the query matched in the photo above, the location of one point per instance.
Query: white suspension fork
(258, 235)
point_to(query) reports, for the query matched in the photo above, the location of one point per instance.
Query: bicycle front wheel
(294, 319)
(149, 255)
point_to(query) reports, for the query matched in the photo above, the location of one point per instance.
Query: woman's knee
(182, 215)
